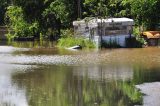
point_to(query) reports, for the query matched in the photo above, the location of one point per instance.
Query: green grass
(70, 41)
(130, 90)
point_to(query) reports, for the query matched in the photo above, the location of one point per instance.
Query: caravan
(110, 31)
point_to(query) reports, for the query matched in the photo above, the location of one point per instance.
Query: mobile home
(111, 30)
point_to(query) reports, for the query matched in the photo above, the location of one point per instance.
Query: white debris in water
(152, 93)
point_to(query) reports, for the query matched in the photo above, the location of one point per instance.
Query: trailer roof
(107, 20)
(110, 20)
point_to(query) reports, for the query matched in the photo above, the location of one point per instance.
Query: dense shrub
(140, 39)
(71, 41)
(15, 20)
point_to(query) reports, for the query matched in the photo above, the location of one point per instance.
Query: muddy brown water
(40, 74)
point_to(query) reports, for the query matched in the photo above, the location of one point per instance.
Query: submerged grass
(130, 90)
(71, 41)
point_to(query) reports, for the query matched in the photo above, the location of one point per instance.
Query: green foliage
(50, 16)
(95, 8)
(72, 90)
(145, 12)
(131, 92)
(15, 20)
(137, 33)
(70, 41)
(67, 33)
(58, 10)
(14, 14)
(119, 8)
(141, 40)
(32, 9)
(55, 17)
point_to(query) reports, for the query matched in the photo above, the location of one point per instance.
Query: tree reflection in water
(76, 86)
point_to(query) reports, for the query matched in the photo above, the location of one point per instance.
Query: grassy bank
(71, 41)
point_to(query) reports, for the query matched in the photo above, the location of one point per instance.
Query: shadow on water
(47, 76)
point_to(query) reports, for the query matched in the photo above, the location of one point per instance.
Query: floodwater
(39, 74)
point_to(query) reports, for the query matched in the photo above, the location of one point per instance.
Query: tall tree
(95, 8)
(3, 8)
(32, 9)
(119, 8)
(55, 16)
(15, 20)
(146, 12)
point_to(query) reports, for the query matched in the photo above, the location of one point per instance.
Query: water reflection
(35, 44)
(107, 72)
(60, 86)
(10, 93)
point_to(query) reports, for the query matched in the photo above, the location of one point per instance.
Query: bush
(139, 38)
(70, 41)
(15, 20)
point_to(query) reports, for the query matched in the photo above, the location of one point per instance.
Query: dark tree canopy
(54, 15)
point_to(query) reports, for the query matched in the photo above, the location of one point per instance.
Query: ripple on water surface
(144, 56)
